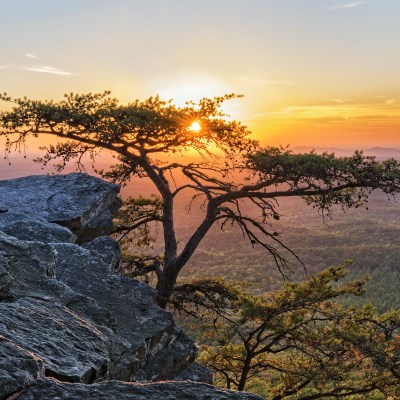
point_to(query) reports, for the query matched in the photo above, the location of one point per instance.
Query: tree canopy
(298, 342)
(232, 167)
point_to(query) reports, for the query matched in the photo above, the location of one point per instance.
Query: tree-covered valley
(368, 236)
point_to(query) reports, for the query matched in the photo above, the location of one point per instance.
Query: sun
(195, 127)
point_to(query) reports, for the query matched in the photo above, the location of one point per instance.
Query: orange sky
(312, 72)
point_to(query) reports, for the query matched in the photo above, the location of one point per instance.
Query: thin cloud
(48, 69)
(32, 55)
(338, 101)
(347, 5)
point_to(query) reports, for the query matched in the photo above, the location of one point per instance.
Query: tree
(297, 342)
(140, 132)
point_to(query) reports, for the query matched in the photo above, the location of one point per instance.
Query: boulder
(72, 349)
(18, 368)
(27, 228)
(28, 269)
(29, 266)
(51, 389)
(78, 201)
(70, 325)
(195, 372)
(162, 348)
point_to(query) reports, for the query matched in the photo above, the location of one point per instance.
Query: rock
(75, 201)
(161, 347)
(29, 264)
(51, 389)
(107, 249)
(25, 228)
(66, 314)
(196, 373)
(6, 279)
(72, 349)
(100, 225)
(171, 359)
(18, 368)
(29, 269)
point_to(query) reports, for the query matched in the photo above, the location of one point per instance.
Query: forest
(370, 238)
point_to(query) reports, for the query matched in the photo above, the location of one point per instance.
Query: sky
(312, 72)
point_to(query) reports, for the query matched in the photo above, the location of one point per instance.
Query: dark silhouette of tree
(141, 131)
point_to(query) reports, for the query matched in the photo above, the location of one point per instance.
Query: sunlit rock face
(68, 320)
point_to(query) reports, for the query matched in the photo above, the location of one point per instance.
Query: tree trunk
(165, 288)
(245, 372)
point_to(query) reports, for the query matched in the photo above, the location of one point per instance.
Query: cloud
(32, 55)
(347, 5)
(338, 101)
(47, 69)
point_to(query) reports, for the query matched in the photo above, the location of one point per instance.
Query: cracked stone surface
(70, 326)
(77, 201)
(51, 389)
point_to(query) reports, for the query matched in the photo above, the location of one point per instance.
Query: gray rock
(30, 264)
(196, 373)
(52, 390)
(171, 359)
(72, 349)
(26, 228)
(107, 249)
(18, 368)
(100, 225)
(149, 329)
(75, 201)
(65, 314)
(29, 269)
(6, 279)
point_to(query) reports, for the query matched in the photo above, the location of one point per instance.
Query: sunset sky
(313, 72)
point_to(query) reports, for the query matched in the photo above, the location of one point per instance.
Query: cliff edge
(70, 326)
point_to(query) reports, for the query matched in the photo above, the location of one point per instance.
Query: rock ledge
(70, 326)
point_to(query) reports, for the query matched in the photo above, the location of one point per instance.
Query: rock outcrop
(76, 201)
(70, 326)
(50, 389)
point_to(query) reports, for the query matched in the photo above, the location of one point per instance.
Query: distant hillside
(378, 152)
(371, 238)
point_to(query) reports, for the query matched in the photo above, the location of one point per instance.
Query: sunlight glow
(195, 127)
(192, 86)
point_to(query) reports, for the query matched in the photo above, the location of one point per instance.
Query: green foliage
(298, 343)
(322, 174)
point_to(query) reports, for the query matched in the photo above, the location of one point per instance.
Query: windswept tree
(141, 132)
